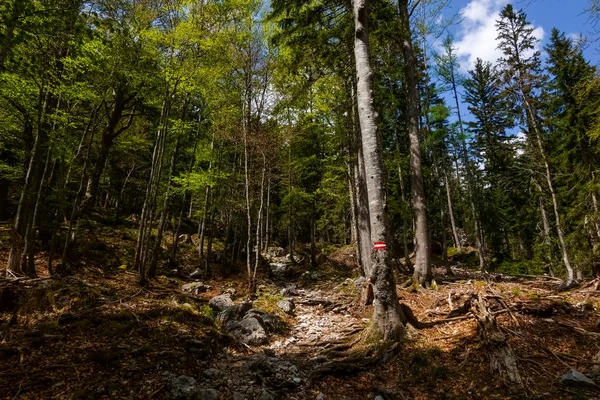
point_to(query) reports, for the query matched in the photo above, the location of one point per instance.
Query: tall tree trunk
(470, 180)
(387, 314)
(145, 228)
(47, 103)
(164, 212)
(538, 140)
(422, 274)
(457, 242)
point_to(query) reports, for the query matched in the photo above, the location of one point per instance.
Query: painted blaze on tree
(387, 314)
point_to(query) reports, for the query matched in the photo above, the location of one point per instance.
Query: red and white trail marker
(379, 246)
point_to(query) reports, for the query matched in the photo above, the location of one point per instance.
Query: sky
(475, 34)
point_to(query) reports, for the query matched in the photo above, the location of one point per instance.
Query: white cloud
(477, 34)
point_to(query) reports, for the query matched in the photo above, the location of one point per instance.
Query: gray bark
(387, 315)
(422, 274)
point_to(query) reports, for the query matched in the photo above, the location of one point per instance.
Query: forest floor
(98, 334)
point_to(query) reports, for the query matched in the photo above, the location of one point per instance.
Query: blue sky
(475, 34)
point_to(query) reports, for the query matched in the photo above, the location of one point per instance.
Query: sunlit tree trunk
(387, 314)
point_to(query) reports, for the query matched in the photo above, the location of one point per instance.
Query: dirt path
(326, 319)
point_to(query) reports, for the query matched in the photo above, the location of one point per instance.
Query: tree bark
(422, 274)
(387, 314)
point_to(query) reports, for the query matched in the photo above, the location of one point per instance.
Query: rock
(289, 291)
(264, 395)
(269, 321)
(287, 306)
(212, 373)
(181, 387)
(238, 396)
(278, 269)
(234, 313)
(275, 252)
(577, 379)
(195, 288)
(359, 283)
(220, 302)
(595, 372)
(249, 331)
(197, 274)
(320, 396)
(208, 394)
(379, 397)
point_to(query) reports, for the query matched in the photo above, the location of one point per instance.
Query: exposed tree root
(355, 362)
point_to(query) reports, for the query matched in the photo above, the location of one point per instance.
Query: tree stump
(501, 355)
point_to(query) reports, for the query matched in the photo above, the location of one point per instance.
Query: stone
(287, 306)
(181, 387)
(212, 373)
(289, 291)
(239, 396)
(234, 313)
(220, 302)
(195, 288)
(197, 274)
(575, 378)
(320, 396)
(208, 394)
(278, 269)
(359, 283)
(249, 331)
(264, 395)
(379, 397)
(269, 321)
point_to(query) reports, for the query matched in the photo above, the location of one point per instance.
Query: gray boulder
(234, 313)
(220, 302)
(278, 269)
(289, 291)
(249, 331)
(208, 394)
(269, 321)
(195, 288)
(287, 306)
(575, 378)
(186, 388)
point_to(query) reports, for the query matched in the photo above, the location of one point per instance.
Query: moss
(268, 302)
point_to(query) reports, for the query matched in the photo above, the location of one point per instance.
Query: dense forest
(256, 151)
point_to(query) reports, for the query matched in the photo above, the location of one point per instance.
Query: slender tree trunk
(145, 228)
(422, 274)
(267, 233)
(451, 213)
(387, 314)
(24, 217)
(259, 218)
(163, 213)
(548, 176)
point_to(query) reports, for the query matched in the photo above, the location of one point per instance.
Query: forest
(248, 199)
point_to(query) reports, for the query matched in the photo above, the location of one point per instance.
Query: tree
(387, 313)
(447, 66)
(422, 274)
(521, 72)
(483, 94)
